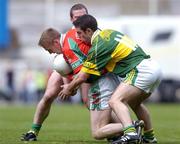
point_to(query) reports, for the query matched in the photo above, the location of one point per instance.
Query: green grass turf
(69, 124)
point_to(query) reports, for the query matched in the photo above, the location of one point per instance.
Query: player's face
(55, 47)
(77, 13)
(84, 35)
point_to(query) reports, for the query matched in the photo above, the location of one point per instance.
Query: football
(61, 66)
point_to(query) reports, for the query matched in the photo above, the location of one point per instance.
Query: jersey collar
(62, 39)
(95, 34)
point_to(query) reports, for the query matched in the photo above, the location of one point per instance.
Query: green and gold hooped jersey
(113, 51)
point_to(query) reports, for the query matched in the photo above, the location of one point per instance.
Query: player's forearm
(78, 80)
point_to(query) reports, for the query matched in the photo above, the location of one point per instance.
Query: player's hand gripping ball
(61, 66)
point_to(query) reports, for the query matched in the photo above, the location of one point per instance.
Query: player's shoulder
(108, 31)
(71, 32)
(107, 34)
(103, 33)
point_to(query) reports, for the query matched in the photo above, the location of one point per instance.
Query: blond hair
(47, 37)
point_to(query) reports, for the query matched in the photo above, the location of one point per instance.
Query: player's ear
(89, 31)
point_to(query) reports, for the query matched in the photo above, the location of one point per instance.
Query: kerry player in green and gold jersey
(114, 52)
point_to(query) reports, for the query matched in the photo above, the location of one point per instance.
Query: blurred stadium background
(24, 67)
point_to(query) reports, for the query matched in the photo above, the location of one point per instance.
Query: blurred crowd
(23, 83)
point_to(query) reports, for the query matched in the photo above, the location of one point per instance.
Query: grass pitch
(69, 124)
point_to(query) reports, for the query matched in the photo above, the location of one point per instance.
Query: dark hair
(86, 21)
(77, 7)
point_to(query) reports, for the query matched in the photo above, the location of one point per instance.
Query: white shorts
(146, 76)
(101, 91)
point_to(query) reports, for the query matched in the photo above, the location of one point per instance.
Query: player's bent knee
(96, 136)
(112, 102)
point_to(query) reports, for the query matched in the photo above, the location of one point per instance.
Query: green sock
(129, 129)
(36, 128)
(149, 134)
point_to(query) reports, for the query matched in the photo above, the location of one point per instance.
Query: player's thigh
(125, 92)
(99, 95)
(54, 85)
(99, 118)
(139, 82)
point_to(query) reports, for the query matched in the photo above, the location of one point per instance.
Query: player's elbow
(82, 77)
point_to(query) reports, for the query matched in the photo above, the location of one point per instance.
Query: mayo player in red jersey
(53, 86)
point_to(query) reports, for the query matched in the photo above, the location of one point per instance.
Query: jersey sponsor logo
(106, 35)
(89, 65)
(76, 64)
